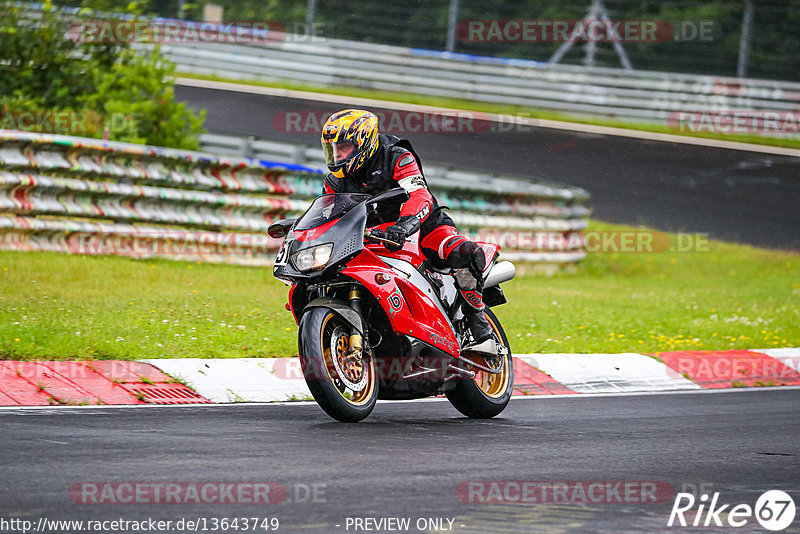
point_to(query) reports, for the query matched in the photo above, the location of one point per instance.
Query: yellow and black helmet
(349, 139)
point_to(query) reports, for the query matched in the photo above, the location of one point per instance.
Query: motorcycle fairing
(290, 305)
(407, 299)
(350, 224)
(313, 233)
(410, 252)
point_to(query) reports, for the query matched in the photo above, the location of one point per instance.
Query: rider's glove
(404, 227)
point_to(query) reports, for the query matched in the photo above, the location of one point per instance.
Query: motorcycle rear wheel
(487, 394)
(344, 385)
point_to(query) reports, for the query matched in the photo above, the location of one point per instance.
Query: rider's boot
(483, 339)
(468, 262)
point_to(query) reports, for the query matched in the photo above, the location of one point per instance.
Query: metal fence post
(744, 41)
(247, 147)
(451, 26)
(311, 13)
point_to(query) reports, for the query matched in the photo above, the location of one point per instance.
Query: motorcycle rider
(362, 160)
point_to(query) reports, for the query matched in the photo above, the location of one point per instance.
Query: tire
(487, 394)
(323, 336)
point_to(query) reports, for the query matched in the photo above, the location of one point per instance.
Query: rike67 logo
(774, 510)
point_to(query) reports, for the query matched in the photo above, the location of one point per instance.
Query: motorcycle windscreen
(329, 207)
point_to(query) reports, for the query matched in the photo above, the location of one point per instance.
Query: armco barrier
(630, 95)
(86, 196)
(639, 96)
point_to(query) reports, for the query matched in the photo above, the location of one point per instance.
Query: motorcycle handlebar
(372, 237)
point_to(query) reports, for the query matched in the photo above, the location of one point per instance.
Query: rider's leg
(467, 261)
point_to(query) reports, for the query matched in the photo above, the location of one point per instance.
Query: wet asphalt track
(732, 195)
(407, 459)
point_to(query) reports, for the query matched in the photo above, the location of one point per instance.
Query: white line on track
(525, 121)
(89, 409)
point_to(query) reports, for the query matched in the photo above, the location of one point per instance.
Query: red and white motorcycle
(380, 324)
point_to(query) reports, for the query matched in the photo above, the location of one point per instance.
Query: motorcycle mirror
(397, 193)
(280, 228)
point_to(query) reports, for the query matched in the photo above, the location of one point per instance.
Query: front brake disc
(351, 368)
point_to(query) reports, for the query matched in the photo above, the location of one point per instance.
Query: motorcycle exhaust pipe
(503, 271)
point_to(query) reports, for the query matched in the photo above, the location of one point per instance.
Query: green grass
(502, 109)
(732, 297)
(56, 306)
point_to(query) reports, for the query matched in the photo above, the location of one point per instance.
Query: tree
(47, 69)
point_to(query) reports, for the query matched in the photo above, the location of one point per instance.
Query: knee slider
(468, 262)
(467, 255)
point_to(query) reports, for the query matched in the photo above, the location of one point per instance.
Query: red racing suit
(396, 164)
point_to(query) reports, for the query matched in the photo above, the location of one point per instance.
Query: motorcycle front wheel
(343, 383)
(487, 394)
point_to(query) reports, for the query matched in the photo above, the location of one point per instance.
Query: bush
(134, 93)
(46, 71)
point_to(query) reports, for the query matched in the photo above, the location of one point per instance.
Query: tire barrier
(86, 196)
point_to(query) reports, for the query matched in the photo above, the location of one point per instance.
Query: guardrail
(630, 95)
(86, 196)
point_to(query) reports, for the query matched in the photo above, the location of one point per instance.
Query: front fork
(356, 340)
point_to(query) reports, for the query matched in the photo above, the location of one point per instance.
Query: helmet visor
(338, 153)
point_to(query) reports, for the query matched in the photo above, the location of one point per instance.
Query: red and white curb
(280, 379)
(605, 373)
(239, 379)
(196, 380)
(25, 383)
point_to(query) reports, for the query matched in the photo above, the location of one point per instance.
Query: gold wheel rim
(492, 385)
(339, 348)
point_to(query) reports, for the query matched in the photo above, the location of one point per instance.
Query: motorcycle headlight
(313, 258)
